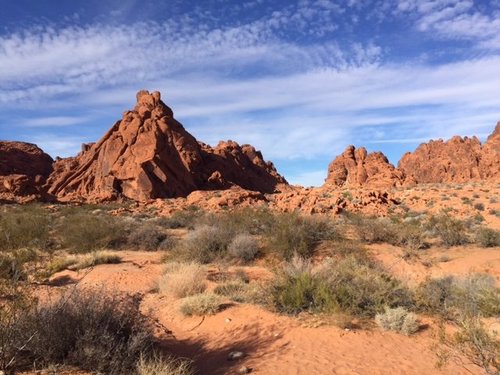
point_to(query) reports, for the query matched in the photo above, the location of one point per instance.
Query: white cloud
(312, 178)
(53, 121)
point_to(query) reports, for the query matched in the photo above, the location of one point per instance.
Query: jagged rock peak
(356, 167)
(148, 154)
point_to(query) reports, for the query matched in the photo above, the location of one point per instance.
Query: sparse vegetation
(244, 247)
(292, 234)
(183, 279)
(83, 232)
(352, 285)
(201, 304)
(24, 228)
(487, 237)
(161, 365)
(204, 244)
(452, 232)
(146, 237)
(399, 320)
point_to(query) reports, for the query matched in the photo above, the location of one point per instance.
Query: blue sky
(298, 80)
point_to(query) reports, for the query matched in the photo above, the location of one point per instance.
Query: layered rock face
(148, 154)
(23, 170)
(455, 161)
(355, 167)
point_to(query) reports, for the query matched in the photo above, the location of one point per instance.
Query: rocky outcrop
(148, 154)
(23, 170)
(457, 160)
(355, 168)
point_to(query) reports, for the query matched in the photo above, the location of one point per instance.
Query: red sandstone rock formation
(148, 154)
(455, 161)
(23, 170)
(355, 167)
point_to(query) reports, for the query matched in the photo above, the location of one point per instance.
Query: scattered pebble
(228, 320)
(235, 355)
(244, 370)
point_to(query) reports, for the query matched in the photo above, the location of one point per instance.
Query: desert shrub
(244, 247)
(93, 331)
(372, 229)
(146, 237)
(408, 234)
(81, 261)
(181, 219)
(204, 244)
(83, 232)
(399, 320)
(452, 232)
(201, 304)
(361, 287)
(246, 220)
(24, 229)
(487, 237)
(161, 365)
(183, 279)
(450, 296)
(352, 285)
(479, 206)
(436, 295)
(235, 290)
(477, 344)
(292, 234)
(299, 288)
(15, 300)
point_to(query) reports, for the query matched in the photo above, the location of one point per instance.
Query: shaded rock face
(457, 160)
(355, 167)
(148, 154)
(23, 170)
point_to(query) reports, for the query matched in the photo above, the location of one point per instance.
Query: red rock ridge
(457, 160)
(148, 154)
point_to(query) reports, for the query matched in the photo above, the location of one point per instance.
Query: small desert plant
(201, 304)
(292, 234)
(234, 290)
(399, 320)
(244, 247)
(83, 232)
(158, 365)
(450, 230)
(146, 237)
(204, 244)
(487, 237)
(479, 206)
(408, 234)
(183, 279)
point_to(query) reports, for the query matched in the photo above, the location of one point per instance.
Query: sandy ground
(275, 344)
